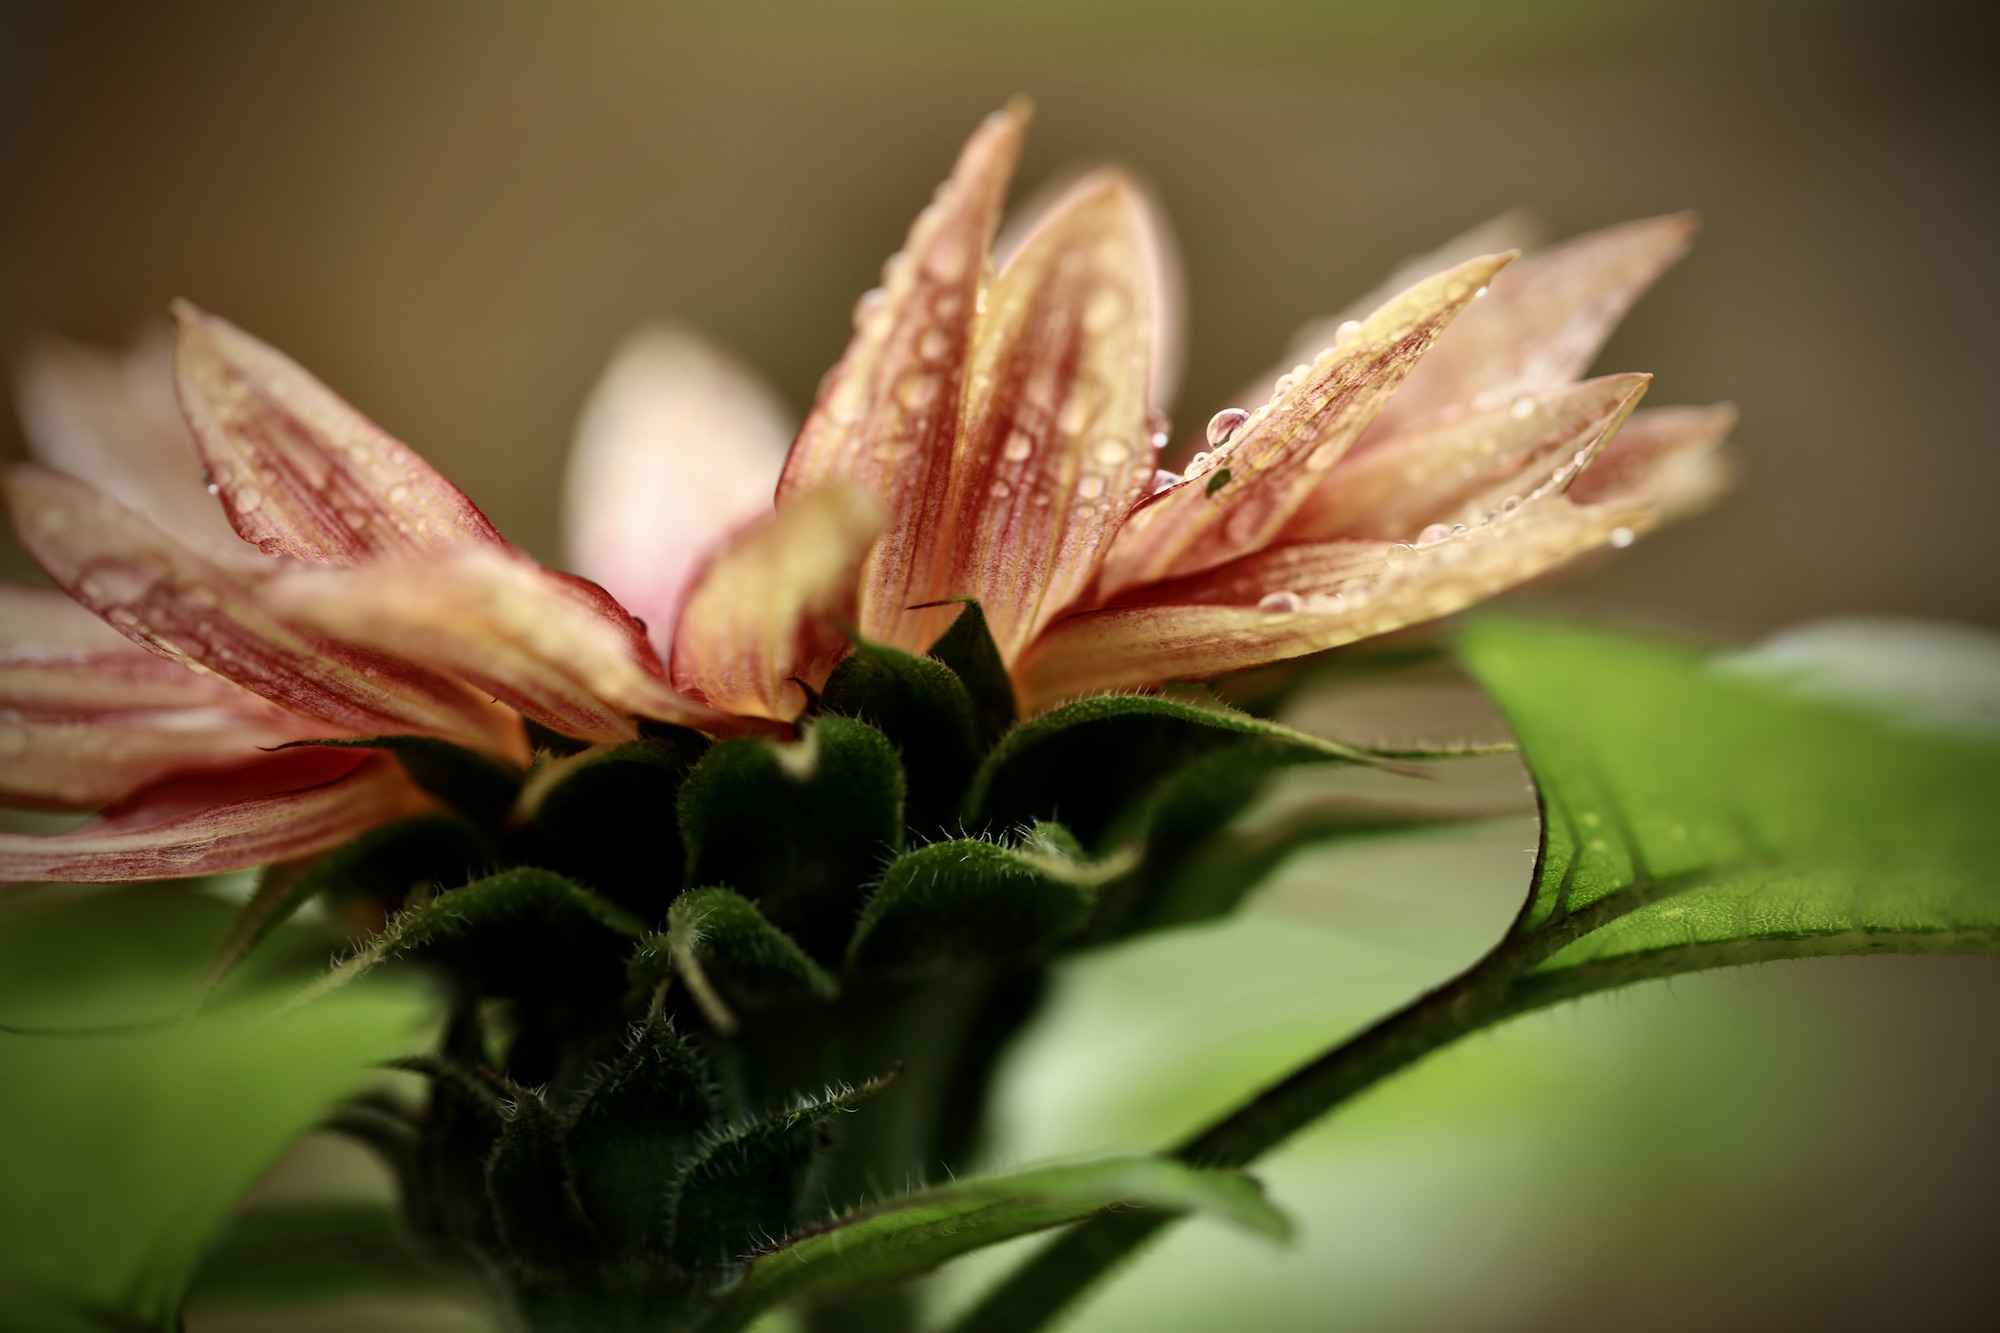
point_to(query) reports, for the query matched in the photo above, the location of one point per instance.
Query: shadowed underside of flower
(990, 433)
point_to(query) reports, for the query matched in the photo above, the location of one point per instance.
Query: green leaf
(893, 1241)
(800, 829)
(1085, 764)
(631, 1133)
(927, 714)
(609, 816)
(973, 901)
(540, 896)
(1695, 817)
(968, 649)
(717, 938)
(126, 1152)
(476, 785)
(303, 1252)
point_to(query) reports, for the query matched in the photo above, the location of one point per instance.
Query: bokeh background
(451, 211)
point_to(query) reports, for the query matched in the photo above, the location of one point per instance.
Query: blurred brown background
(451, 210)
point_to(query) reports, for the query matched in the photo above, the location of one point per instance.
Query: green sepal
(424, 854)
(444, 1191)
(968, 649)
(927, 714)
(308, 1250)
(541, 1222)
(631, 1133)
(905, 1237)
(476, 785)
(728, 955)
(974, 901)
(1086, 763)
(800, 828)
(749, 1186)
(608, 814)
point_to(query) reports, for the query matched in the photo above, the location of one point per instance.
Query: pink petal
(887, 413)
(1274, 460)
(1668, 458)
(111, 419)
(1460, 471)
(680, 444)
(282, 807)
(769, 609)
(300, 472)
(1322, 595)
(202, 615)
(558, 648)
(1541, 324)
(46, 622)
(79, 762)
(1055, 446)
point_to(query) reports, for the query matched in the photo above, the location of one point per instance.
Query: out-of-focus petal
(679, 444)
(1055, 448)
(768, 610)
(1459, 471)
(111, 419)
(300, 472)
(1541, 324)
(558, 648)
(80, 762)
(1669, 459)
(283, 807)
(1276, 458)
(170, 599)
(888, 412)
(1299, 599)
(40, 622)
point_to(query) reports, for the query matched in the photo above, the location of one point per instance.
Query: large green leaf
(888, 1242)
(303, 1251)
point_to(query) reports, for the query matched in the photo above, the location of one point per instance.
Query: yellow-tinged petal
(209, 617)
(1274, 460)
(768, 611)
(679, 444)
(1540, 325)
(1460, 471)
(1668, 458)
(300, 472)
(888, 412)
(1055, 448)
(557, 648)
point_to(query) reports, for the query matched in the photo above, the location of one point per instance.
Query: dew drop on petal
(1621, 537)
(1159, 439)
(871, 301)
(1223, 425)
(1112, 452)
(248, 499)
(1399, 554)
(1457, 528)
(1481, 292)
(934, 345)
(1523, 408)
(1345, 331)
(999, 490)
(1436, 532)
(1322, 603)
(1358, 589)
(1091, 486)
(1019, 446)
(1163, 479)
(1200, 463)
(214, 489)
(1510, 504)
(1284, 602)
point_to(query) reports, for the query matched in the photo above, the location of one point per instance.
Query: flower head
(991, 433)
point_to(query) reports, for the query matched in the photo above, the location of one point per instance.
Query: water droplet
(919, 391)
(934, 345)
(214, 489)
(1345, 331)
(1091, 486)
(1491, 514)
(1323, 603)
(1223, 425)
(248, 499)
(1200, 463)
(1159, 439)
(1399, 555)
(1358, 589)
(1524, 408)
(1163, 479)
(1510, 504)
(1019, 446)
(1457, 528)
(1621, 537)
(1436, 532)
(999, 490)
(1112, 452)
(871, 301)
(1481, 292)
(1284, 602)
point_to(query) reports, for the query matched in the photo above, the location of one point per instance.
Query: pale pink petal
(1667, 458)
(81, 761)
(1055, 446)
(679, 444)
(1540, 325)
(1274, 460)
(202, 615)
(36, 621)
(556, 647)
(281, 808)
(1292, 600)
(768, 611)
(111, 418)
(1460, 471)
(300, 472)
(888, 412)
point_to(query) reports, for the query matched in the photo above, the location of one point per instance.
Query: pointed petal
(887, 414)
(1273, 462)
(769, 609)
(1541, 324)
(557, 648)
(171, 600)
(111, 419)
(1055, 445)
(281, 808)
(679, 444)
(81, 761)
(1343, 591)
(1458, 472)
(1667, 458)
(300, 472)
